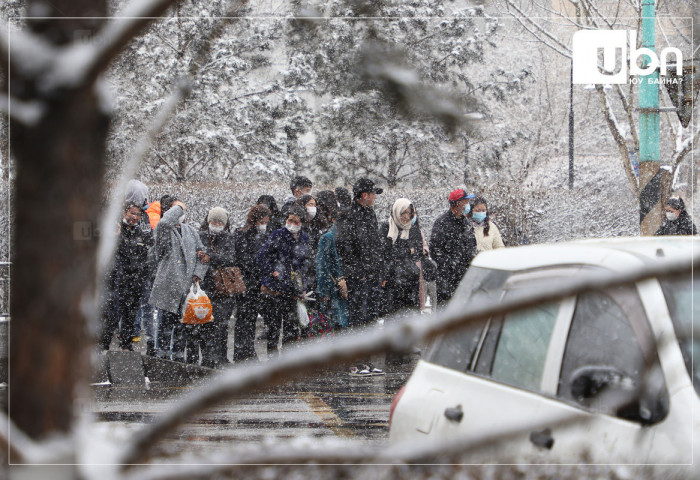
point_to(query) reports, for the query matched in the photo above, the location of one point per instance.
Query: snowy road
(331, 404)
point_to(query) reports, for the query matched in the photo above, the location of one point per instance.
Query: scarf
(400, 205)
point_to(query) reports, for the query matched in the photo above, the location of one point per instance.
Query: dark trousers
(280, 316)
(249, 305)
(364, 299)
(189, 341)
(119, 313)
(222, 308)
(170, 339)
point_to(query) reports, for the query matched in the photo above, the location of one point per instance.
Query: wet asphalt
(330, 403)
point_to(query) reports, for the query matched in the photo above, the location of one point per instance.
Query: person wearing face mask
(488, 237)
(181, 260)
(282, 262)
(452, 245)
(402, 250)
(219, 245)
(248, 241)
(677, 221)
(127, 277)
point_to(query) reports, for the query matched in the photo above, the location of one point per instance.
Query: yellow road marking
(323, 411)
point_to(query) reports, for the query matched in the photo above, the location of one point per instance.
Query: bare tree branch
(396, 337)
(108, 242)
(610, 119)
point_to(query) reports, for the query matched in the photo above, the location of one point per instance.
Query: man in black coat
(452, 245)
(359, 247)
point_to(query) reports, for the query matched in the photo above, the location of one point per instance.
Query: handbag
(228, 281)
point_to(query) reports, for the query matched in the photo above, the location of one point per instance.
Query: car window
(456, 349)
(522, 347)
(604, 345)
(680, 293)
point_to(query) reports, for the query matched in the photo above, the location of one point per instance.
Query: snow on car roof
(616, 253)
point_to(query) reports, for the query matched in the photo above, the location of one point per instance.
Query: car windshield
(679, 292)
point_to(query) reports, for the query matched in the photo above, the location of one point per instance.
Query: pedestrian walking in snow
(452, 245)
(678, 221)
(248, 241)
(488, 237)
(181, 262)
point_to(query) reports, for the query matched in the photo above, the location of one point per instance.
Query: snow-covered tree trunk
(58, 188)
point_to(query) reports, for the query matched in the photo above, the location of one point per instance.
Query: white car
(535, 368)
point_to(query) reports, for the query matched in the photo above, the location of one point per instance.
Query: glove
(308, 297)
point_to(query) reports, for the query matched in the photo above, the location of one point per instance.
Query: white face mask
(181, 220)
(216, 228)
(671, 216)
(262, 228)
(293, 228)
(311, 211)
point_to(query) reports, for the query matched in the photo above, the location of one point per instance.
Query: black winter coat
(359, 245)
(683, 225)
(221, 250)
(130, 260)
(400, 270)
(248, 243)
(452, 246)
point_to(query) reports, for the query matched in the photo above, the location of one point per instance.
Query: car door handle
(454, 414)
(542, 439)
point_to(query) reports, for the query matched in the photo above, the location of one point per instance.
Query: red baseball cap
(459, 194)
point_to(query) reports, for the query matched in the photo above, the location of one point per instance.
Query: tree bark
(57, 198)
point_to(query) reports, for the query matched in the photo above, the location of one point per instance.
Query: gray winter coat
(176, 254)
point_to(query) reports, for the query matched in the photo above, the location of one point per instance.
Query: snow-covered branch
(108, 242)
(538, 31)
(619, 137)
(397, 337)
(685, 147)
(26, 113)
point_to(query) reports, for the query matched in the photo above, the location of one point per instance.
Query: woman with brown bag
(218, 283)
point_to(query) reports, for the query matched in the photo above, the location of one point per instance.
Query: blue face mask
(479, 216)
(413, 222)
(467, 209)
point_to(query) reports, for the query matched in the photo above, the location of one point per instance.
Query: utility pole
(649, 157)
(571, 128)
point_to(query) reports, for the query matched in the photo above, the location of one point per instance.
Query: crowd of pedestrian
(319, 265)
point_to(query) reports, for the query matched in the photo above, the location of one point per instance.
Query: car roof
(617, 254)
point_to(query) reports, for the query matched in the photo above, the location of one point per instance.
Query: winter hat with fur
(217, 214)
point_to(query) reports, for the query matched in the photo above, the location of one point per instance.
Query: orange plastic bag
(197, 307)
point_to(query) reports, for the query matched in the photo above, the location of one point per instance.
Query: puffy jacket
(153, 212)
(452, 246)
(283, 254)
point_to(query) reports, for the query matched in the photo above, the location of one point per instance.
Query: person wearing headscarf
(488, 237)
(403, 249)
(677, 222)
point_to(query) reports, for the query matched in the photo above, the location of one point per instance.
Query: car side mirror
(612, 390)
(590, 381)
